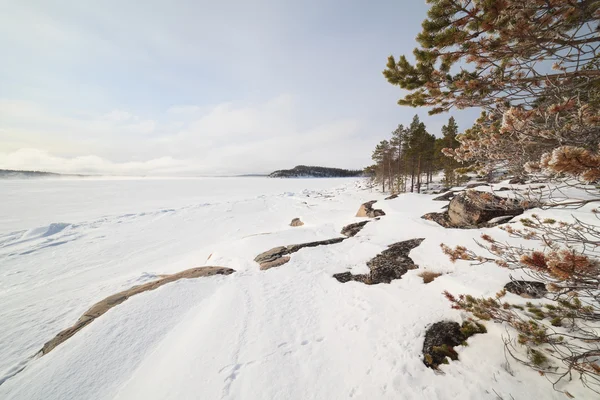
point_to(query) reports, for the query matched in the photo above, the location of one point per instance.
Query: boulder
(528, 289)
(296, 222)
(474, 208)
(391, 197)
(367, 210)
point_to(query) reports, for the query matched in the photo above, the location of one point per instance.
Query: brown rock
(367, 210)
(103, 306)
(296, 222)
(275, 263)
(353, 229)
(474, 208)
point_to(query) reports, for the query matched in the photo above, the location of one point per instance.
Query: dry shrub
(429, 276)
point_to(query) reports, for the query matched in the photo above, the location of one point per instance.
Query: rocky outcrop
(103, 306)
(352, 229)
(442, 337)
(439, 217)
(439, 343)
(275, 263)
(528, 289)
(388, 265)
(276, 256)
(367, 210)
(296, 222)
(474, 208)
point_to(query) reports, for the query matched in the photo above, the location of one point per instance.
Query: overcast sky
(193, 87)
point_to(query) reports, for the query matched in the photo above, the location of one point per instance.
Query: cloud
(39, 160)
(227, 138)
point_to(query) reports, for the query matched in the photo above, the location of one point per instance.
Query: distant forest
(315, 172)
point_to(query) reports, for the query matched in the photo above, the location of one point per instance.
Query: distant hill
(300, 171)
(16, 174)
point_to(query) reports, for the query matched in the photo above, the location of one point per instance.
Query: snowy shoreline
(289, 332)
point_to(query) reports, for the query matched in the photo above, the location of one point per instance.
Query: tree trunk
(419, 176)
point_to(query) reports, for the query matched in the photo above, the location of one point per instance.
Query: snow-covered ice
(292, 332)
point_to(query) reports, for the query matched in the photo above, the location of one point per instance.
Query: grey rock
(444, 333)
(388, 265)
(474, 208)
(352, 229)
(528, 289)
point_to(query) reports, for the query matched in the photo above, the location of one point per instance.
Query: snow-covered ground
(291, 332)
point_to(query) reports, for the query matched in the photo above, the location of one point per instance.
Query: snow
(292, 332)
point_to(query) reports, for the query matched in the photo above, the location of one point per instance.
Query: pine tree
(496, 55)
(448, 141)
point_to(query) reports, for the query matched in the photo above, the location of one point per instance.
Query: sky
(194, 87)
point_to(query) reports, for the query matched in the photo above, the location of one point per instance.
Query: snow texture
(292, 332)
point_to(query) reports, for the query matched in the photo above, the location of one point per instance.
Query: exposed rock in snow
(367, 210)
(392, 197)
(103, 306)
(353, 229)
(440, 339)
(472, 208)
(446, 196)
(439, 217)
(516, 181)
(296, 222)
(273, 258)
(390, 264)
(275, 263)
(527, 289)
(476, 184)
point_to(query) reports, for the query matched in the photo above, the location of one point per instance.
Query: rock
(353, 229)
(296, 222)
(103, 306)
(271, 255)
(275, 257)
(388, 265)
(503, 189)
(445, 335)
(474, 208)
(367, 210)
(439, 217)
(344, 277)
(391, 197)
(446, 196)
(476, 184)
(499, 220)
(517, 180)
(275, 263)
(528, 289)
